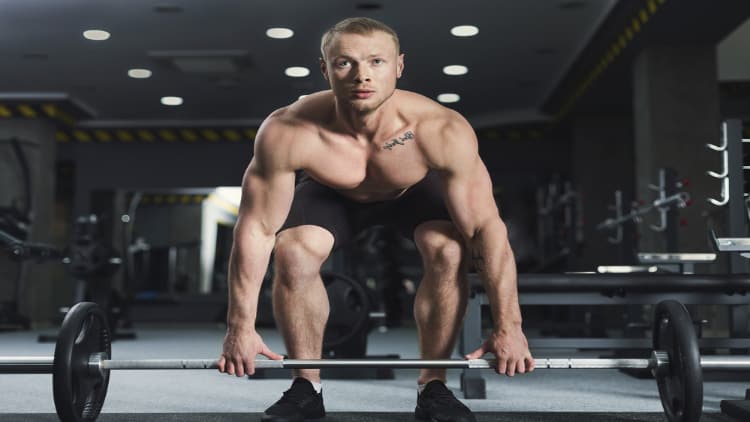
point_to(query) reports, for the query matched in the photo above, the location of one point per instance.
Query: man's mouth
(363, 93)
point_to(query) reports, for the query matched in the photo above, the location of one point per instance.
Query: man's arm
(266, 199)
(470, 201)
(267, 193)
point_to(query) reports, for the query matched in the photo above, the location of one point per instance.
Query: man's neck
(364, 124)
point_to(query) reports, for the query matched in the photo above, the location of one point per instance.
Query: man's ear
(323, 67)
(400, 65)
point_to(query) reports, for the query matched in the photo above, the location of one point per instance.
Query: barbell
(82, 363)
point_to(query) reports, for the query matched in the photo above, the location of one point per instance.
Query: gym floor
(202, 395)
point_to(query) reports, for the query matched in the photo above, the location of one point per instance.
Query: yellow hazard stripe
(5, 111)
(609, 56)
(26, 111)
(231, 135)
(189, 135)
(210, 135)
(146, 136)
(61, 136)
(81, 136)
(169, 135)
(102, 136)
(124, 136)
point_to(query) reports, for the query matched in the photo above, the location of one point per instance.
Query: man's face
(362, 69)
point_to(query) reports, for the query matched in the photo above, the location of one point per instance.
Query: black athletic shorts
(320, 205)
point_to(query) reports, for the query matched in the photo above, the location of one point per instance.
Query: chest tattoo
(399, 140)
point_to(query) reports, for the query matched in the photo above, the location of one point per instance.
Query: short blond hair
(358, 25)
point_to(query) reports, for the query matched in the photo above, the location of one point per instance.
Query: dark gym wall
(518, 168)
(40, 283)
(602, 162)
(154, 166)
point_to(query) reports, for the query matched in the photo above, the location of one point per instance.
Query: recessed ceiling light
(171, 101)
(297, 71)
(464, 30)
(455, 69)
(448, 98)
(96, 35)
(279, 33)
(139, 73)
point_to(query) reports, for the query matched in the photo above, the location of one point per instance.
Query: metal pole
(725, 363)
(26, 365)
(44, 364)
(544, 363)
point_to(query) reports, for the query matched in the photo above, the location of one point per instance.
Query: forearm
(495, 264)
(248, 263)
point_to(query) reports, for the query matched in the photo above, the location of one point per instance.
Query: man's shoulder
(310, 110)
(428, 113)
(297, 119)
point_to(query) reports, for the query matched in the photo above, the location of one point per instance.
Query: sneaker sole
(421, 415)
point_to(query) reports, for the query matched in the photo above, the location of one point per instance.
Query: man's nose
(362, 74)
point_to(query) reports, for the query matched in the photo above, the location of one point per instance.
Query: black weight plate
(349, 309)
(681, 386)
(79, 394)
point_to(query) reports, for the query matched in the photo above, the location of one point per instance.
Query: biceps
(266, 201)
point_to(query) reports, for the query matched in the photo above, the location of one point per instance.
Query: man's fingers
(222, 363)
(239, 368)
(530, 363)
(502, 365)
(270, 354)
(477, 353)
(521, 366)
(511, 368)
(249, 366)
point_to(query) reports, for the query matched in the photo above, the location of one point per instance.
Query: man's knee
(440, 245)
(300, 251)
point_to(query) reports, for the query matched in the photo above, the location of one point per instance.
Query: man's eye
(378, 61)
(342, 63)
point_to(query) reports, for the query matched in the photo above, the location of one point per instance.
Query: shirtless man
(370, 154)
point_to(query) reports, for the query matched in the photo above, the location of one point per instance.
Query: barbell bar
(98, 362)
(81, 364)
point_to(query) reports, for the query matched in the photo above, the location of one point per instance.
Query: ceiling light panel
(96, 35)
(448, 98)
(171, 101)
(279, 33)
(455, 70)
(465, 31)
(139, 73)
(297, 72)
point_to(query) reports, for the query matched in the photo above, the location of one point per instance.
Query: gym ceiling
(532, 60)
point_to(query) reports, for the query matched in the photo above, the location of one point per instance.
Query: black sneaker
(438, 404)
(299, 403)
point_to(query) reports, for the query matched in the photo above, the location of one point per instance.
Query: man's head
(361, 61)
(361, 26)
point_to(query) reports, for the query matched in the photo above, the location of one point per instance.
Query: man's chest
(387, 164)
